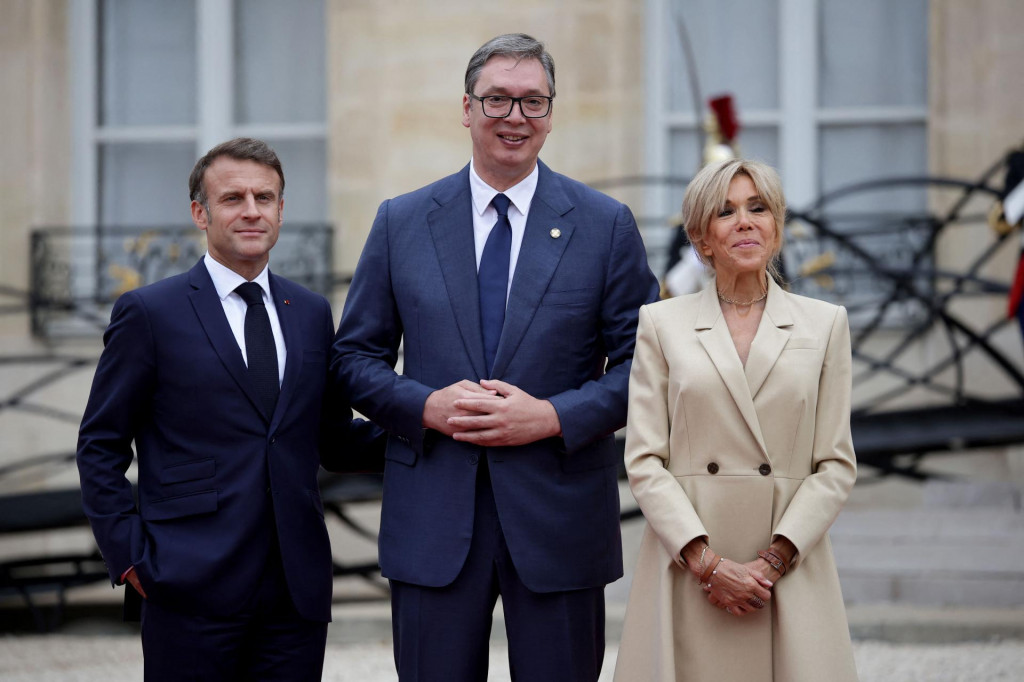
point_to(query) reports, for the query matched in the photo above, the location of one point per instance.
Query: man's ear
(199, 215)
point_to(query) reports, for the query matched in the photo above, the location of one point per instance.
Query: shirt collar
(226, 280)
(521, 195)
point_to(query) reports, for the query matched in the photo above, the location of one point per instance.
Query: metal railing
(77, 273)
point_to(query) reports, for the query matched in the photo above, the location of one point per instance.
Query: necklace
(722, 297)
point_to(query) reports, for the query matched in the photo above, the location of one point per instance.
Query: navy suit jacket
(217, 478)
(569, 332)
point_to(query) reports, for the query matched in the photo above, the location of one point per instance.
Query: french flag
(1013, 211)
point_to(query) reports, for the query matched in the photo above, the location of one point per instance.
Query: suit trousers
(268, 641)
(441, 634)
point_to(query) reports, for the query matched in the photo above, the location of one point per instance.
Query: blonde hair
(706, 196)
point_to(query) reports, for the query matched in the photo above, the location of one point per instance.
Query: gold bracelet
(701, 571)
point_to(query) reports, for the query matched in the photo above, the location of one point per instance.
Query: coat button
(764, 469)
(713, 468)
(473, 459)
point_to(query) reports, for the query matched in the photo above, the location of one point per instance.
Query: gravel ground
(105, 658)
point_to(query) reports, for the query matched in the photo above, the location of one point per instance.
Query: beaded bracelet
(706, 574)
(714, 571)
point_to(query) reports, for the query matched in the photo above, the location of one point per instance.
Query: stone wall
(35, 146)
(976, 114)
(395, 82)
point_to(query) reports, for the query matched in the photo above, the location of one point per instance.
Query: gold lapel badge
(555, 233)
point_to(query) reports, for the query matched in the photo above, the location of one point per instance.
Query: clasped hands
(491, 413)
(738, 588)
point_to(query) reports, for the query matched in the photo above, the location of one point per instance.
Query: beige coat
(702, 428)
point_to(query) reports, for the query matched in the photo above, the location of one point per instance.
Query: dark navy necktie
(260, 349)
(493, 280)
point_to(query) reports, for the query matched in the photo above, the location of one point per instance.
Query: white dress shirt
(226, 280)
(485, 215)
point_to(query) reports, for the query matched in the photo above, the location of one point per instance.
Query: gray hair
(240, 149)
(518, 45)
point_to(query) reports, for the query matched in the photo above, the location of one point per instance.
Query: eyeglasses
(500, 106)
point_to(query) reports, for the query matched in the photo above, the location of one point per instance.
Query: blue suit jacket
(568, 337)
(216, 477)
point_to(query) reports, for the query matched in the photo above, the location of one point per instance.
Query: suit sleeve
(598, 407)
(346, 444)
(365, 349)
(118, 403)
(664, 503)
(821, 495)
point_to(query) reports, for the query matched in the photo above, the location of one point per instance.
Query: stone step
(981, 525)
(930, 557)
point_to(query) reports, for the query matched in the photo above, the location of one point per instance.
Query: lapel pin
(287, 301)
(555, 233)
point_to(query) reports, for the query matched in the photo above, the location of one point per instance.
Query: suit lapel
(772, 334)
(211, 316)
(451, 227)
(539, 256)
(287, 315)
(713, 333)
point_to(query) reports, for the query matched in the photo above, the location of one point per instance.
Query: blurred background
(893, 124)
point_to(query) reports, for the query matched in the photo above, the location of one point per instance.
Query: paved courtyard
(118, 658)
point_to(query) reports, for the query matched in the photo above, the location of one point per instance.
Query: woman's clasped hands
(736, 588)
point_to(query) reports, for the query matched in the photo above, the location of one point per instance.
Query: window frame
(215, 118)
(799, 120)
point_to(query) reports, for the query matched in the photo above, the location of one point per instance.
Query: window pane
(684, 159)
(305, 173)
(280, 57)
(759, 143)
(735, 45)
(851, 154)
(145, 184)
(874, 52)
(148, 62)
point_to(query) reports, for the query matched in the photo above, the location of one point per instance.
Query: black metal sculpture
(881, 263)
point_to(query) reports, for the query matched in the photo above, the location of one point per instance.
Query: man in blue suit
(500, 474)
(218, 375)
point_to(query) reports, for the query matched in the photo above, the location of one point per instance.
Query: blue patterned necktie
(493, 280)
(260, 349)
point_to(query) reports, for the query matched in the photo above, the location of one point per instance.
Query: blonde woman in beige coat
(739, 453)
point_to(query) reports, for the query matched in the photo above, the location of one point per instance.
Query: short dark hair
(518, 45)
(241, 149)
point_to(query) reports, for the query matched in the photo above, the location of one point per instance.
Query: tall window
(158, 83)
(829, 91)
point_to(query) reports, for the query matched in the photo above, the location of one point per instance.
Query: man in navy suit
(500, 473)
(224, 400)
